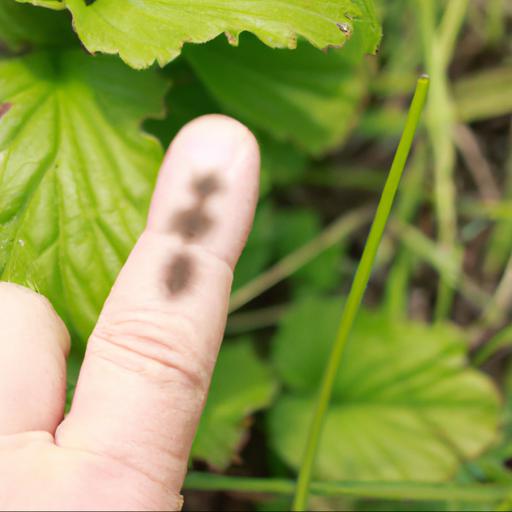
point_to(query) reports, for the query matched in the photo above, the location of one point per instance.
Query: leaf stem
(357, 291)
(411, 491)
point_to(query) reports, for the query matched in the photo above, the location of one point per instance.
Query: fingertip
(208, 186)
(34, 343)
(212, 141)
(23, 307)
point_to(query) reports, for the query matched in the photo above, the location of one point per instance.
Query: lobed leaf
(306, 97)
(76, 175)
(296, 227)
(142, 31)
(405, 405)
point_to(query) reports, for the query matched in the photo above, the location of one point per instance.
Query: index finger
(149, 361)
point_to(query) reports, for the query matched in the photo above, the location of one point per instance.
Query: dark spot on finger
(195, 222)
(4, 108)
(206, 186)
(191, 224)
(181, 274)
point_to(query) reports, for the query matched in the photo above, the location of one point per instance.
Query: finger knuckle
(159, 346)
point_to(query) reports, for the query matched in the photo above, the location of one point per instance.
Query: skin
(143, 384)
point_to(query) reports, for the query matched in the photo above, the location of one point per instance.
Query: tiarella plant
(91, 91)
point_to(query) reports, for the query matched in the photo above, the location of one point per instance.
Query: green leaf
(305, 96)
(281, 163)
(242, 384)
(24, 25)
(76, 175)
(295, 228)
(405, 405)
(187, 99)
(142, 31)
(258, 250)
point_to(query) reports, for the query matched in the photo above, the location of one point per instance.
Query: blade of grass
(498, 342)
(500, 245)
(357, 291)
(333, 234)
(496, 310)
(410, 491)
(449, 29)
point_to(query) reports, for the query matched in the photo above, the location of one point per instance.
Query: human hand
(126, 441)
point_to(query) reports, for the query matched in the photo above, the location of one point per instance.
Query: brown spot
(4, 108)
(344, 27)
(232, 38)
(206, 186)
(180, 274)
(192, 223)
(195, 222)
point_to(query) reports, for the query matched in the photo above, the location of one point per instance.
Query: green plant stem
(378, 490)
(333, 234)
(449, 29)
(357, 291)
(438, 49)
(496, 21)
